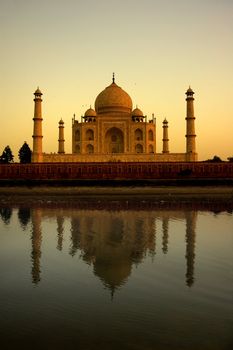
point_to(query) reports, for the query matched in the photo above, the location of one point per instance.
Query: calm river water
(102, 274)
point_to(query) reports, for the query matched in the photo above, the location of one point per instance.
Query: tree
(215, 159)
(25, 153)
(230, 159)
(7, 156)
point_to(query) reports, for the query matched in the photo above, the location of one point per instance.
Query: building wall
(116, 157)
(114, 132)
(133, 143)
(114, 170)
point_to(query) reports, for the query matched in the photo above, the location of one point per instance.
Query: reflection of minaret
(150, 224)
(75, 235)
(191, 217)
(60, 230)
(165, 234)
(36, 238)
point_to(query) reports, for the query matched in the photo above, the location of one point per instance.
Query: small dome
(38, 92)
(137, 113)
(61, 122)
(113, 99)
(90, 113)
(189, 91)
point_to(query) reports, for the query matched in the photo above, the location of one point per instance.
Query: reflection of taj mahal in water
(114, 131)
(112, 242)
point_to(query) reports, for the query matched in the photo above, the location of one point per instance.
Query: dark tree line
(7, 156)
(24, 154)
(217, 159)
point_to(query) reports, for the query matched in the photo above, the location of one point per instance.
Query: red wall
(72, 171)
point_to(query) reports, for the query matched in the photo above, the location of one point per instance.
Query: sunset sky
(157, 48)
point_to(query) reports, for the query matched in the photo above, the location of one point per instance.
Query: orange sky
(157, 48)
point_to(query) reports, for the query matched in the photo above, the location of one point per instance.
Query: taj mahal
(113, 131)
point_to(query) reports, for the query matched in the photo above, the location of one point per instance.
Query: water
(107, 274)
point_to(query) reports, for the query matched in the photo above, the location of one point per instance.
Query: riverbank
(168, 193)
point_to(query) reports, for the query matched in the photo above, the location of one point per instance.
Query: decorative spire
(38, 92)
(189, 92)
(113, 78)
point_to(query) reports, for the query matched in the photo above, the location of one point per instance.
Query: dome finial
(113, 78)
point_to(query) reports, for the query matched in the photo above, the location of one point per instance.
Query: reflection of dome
(90, 113)
(113, 99)
(113, 273)
(137, 113)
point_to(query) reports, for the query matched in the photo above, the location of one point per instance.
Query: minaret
(61, 140)
(37, 155)
(165, 136)
(190, 127)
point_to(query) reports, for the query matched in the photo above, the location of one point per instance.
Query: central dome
(113, 99)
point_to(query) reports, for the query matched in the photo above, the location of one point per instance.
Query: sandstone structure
(113, 131)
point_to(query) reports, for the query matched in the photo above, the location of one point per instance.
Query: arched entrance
(90, 149)
(114, 141)
(139, 148)
(89, 135)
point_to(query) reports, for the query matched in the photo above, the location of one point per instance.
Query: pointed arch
(114, 141)
(151, 149)
(89, 135)
(90, 148)
(77, 135)
(150, 135)
(139, 148)
(77, 149)
(138, 134)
